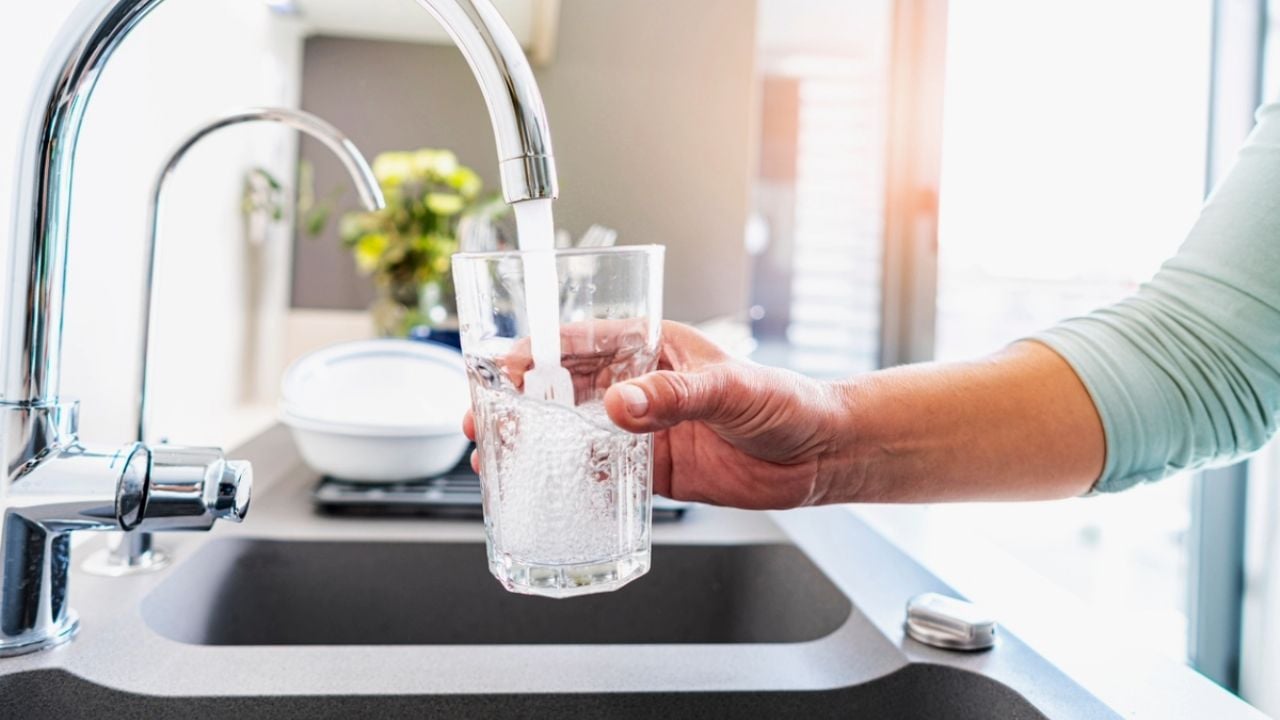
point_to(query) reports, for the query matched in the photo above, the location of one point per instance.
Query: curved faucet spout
(32, 367)
(511, 93)
(331, 137)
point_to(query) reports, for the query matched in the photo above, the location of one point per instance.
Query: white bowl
(356, 455)
(378, 410)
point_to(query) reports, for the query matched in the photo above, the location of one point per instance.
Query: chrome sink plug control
(52, 485)
(949, 623)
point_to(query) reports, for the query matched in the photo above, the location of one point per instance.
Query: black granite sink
(271, 592)
(917, 691)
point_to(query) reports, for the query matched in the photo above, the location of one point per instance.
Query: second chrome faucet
(133, 551)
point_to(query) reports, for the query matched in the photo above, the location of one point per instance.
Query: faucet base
(127, 553)
(61, 633)
(106, 563)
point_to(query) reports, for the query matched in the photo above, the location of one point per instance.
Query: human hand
(726, 431)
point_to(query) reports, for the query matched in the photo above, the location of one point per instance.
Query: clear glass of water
(566, 492)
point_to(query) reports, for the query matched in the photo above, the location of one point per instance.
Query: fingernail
(636, 401)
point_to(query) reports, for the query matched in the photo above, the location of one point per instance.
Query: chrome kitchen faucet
(53, 485)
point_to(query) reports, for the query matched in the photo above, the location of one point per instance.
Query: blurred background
(841, 185)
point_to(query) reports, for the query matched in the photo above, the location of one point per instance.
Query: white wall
(187, 62)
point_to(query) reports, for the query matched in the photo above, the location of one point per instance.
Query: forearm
(1018, 425)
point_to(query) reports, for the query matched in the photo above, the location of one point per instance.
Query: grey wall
(651, 119)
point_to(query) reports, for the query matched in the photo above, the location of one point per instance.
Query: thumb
(665, 398)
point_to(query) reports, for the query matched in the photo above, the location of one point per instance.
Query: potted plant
(406, 246)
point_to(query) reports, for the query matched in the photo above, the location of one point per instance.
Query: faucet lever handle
(233, 490)
(188, 488)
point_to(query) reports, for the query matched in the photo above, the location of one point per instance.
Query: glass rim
(562, 252)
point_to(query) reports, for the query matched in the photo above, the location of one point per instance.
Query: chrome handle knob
(190, 487)
(234, 488)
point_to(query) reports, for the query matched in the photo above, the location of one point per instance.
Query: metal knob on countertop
(949, 623)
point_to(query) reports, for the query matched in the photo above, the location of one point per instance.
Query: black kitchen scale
(453, 496)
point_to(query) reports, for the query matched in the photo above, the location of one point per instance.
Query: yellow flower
(444, 203)
(369, 250)
(393, 168)
(428, 163)
(466, 181)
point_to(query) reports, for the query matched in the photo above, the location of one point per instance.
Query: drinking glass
(566, 492)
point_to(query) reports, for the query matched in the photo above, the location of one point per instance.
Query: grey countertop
(117, 648)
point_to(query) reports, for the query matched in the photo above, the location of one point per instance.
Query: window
(1067, 177)
(1073, 164)
(822, 69)
(1260, 651)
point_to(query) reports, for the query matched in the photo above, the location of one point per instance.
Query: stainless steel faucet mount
(52, 484)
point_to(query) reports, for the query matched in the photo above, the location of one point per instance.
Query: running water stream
(535, 231)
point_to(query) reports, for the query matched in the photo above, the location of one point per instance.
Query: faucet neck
(525, 159)
(42, 195)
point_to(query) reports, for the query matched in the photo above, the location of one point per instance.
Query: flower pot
(403, 306)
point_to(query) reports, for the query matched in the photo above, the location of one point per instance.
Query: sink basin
(916, 691)
(246, 591)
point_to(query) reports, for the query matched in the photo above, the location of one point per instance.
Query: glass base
(562, 581)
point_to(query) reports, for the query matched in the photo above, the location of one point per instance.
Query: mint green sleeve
(1186, 373)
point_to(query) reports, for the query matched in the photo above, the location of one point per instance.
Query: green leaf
(271, 179)
(316, 220)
